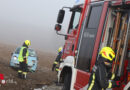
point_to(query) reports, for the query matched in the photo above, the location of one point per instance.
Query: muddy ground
(43, 78)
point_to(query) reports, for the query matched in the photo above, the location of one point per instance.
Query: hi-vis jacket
(23, 54)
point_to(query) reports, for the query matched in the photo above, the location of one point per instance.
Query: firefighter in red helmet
(101, 77)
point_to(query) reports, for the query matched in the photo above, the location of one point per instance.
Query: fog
(33, 20)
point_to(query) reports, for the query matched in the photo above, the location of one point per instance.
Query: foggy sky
(33, 20)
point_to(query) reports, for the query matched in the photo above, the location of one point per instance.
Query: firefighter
(22, 58)
(57, 60)
(101, 76)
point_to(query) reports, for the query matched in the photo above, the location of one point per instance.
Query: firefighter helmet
(27, 42)
(107, 53)
(60, 49)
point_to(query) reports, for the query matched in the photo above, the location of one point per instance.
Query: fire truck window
(94, 17)
(75, 22)
(88, 38)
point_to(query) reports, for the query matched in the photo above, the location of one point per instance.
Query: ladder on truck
(124, 49)
(121, 36)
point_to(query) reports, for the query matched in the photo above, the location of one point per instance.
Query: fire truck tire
(67, 82)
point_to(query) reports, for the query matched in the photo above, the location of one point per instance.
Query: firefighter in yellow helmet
(101, 76)
(58, 59)
(22, 58)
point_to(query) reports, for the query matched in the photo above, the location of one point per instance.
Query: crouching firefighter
(23, 55)
(101, 76)
(57, 60)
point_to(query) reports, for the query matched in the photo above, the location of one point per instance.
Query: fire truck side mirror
(60, 16)
(58, 27)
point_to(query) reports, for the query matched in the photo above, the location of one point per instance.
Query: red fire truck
(93, 25)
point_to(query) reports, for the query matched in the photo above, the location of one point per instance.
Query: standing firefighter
(23, 55)
(101, 76)
(58, 59)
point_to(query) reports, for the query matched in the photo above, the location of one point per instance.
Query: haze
(33, 20)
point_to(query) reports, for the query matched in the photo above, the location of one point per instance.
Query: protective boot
(19, 73)
(24, 75)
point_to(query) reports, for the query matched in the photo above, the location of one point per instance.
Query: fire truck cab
(68, 63)
(101, 23)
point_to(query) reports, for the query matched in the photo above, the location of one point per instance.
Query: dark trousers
(23, 67)
(22, 72)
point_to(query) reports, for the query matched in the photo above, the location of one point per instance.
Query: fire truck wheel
(67, 82)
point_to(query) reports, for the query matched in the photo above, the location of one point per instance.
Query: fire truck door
(92, 29)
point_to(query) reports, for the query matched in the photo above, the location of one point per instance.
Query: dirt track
(43, 75)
